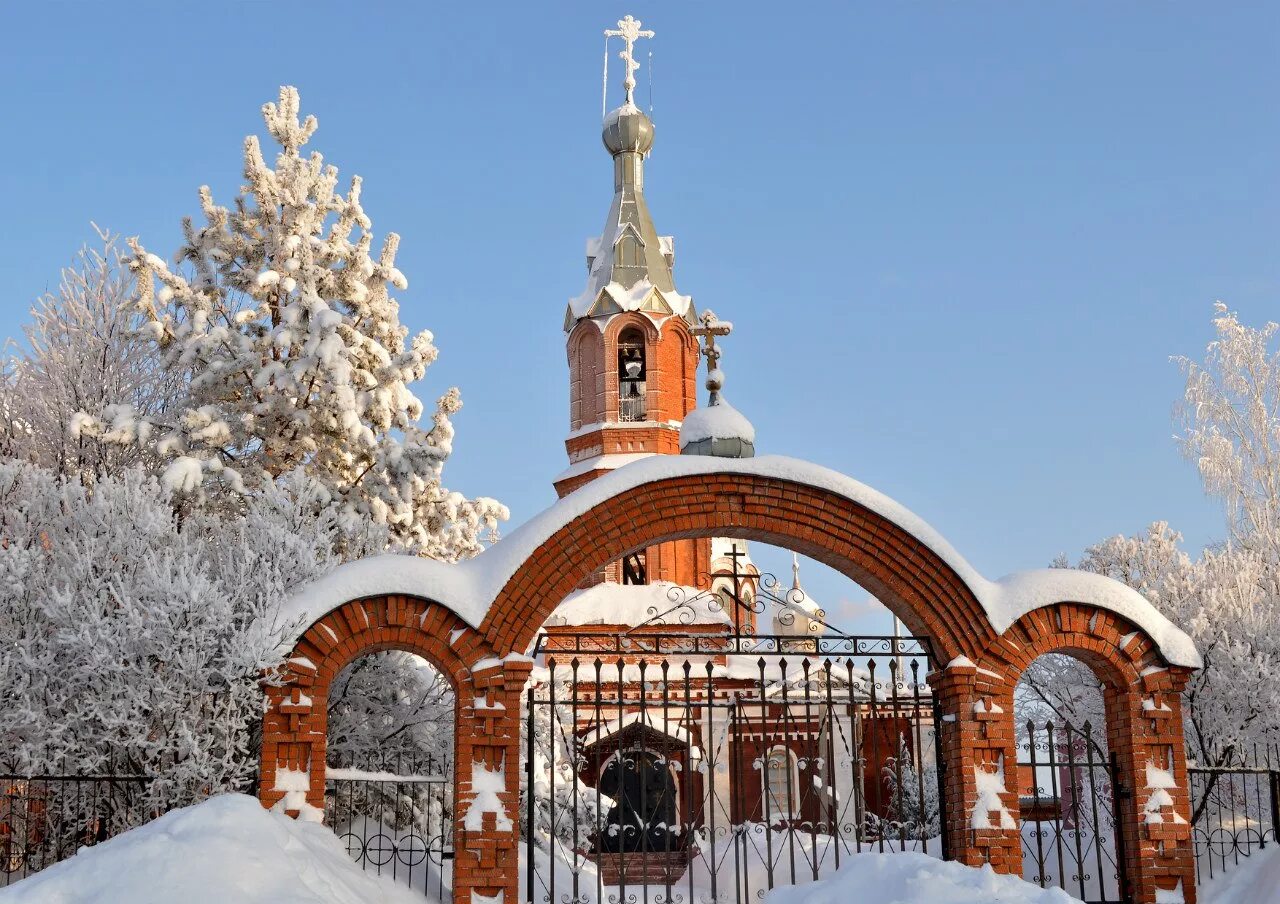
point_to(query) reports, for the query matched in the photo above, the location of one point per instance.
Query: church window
(631, 376)
(781, 787)
(628, 251)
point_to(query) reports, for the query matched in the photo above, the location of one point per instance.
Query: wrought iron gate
(667, 762)
(1068, 788)
(396, 819)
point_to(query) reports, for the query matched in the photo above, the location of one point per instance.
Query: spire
(629, 265)
(795, 572)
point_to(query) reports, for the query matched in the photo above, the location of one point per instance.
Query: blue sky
(959, 242)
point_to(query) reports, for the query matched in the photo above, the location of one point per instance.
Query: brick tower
(633, 359)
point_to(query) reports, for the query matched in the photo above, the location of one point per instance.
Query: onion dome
(627, 130)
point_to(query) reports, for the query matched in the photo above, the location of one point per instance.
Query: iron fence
(745, 763)
(1235, 809)
(395, 816)
(47, 818)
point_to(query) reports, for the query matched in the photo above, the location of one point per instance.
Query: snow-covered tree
(83, 351)
(391, 710)
(565, 809)
(1230, 415)
(280, 315)
(1229, 603)
(134, 646)
(914, 813)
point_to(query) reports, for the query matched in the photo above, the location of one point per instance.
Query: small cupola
(718, 429)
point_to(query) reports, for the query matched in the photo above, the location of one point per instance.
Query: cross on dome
(629, 30)
(711, 327)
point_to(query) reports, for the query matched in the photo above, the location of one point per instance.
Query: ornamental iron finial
(629, 30)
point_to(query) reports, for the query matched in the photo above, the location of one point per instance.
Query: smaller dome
(627, 129)
(719, 430)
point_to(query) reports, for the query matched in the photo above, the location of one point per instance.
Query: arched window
(631, 376)
(628, 251)
(781, 785)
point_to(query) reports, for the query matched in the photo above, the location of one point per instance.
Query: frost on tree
(135, 647)
(82, 350)
(278, 309)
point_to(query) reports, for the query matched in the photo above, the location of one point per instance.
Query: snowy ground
(1255, 880)
(227, 849)
(907, 878)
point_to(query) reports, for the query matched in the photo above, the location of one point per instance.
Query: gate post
(1153, 809)
(487, 772)
(979, 756)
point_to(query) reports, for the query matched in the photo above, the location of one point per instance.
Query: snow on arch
(470, 587)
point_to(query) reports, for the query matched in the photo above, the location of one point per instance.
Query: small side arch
(486, 729)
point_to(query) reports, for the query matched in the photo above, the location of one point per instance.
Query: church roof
(629, 266)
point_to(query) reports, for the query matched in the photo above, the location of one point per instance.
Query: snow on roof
(719, 421)
(606, 462)
(635, 604)
(660, 723)
(470, 587)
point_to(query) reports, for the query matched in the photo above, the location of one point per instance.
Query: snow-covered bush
(135, 643)
(280, 316)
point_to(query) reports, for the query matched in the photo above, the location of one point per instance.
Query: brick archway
(931, 597)
(1143, 703)
(509, 593)
(899, 568)
(487, 729)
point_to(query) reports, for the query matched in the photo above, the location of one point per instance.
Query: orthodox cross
(629, 30)
(712, 326)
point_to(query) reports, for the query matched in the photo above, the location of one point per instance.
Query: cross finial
(712, 326)
(629, 30)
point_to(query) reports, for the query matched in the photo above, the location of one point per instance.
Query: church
(698, 689)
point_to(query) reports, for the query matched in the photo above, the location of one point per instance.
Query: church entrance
(680, 757)
(643, 817)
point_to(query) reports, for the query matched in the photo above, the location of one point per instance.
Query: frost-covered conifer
(279, 312)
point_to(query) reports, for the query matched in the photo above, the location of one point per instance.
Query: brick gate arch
(486, 719)
(508, 592)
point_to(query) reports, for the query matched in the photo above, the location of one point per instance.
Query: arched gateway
(476, 621)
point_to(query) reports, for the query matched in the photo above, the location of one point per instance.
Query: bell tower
(633, 357)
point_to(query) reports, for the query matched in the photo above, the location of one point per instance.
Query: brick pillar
(487, 776)
(1153, 806)
(291, 774)
(978, 737)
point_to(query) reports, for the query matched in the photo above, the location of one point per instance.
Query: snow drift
(909, 878)
(227, 849)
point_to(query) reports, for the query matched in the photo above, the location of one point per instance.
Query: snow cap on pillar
(719, 429)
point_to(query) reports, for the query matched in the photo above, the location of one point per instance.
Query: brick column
(1154, 805)
(979, 755)
(487, 774)
(291, 774)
